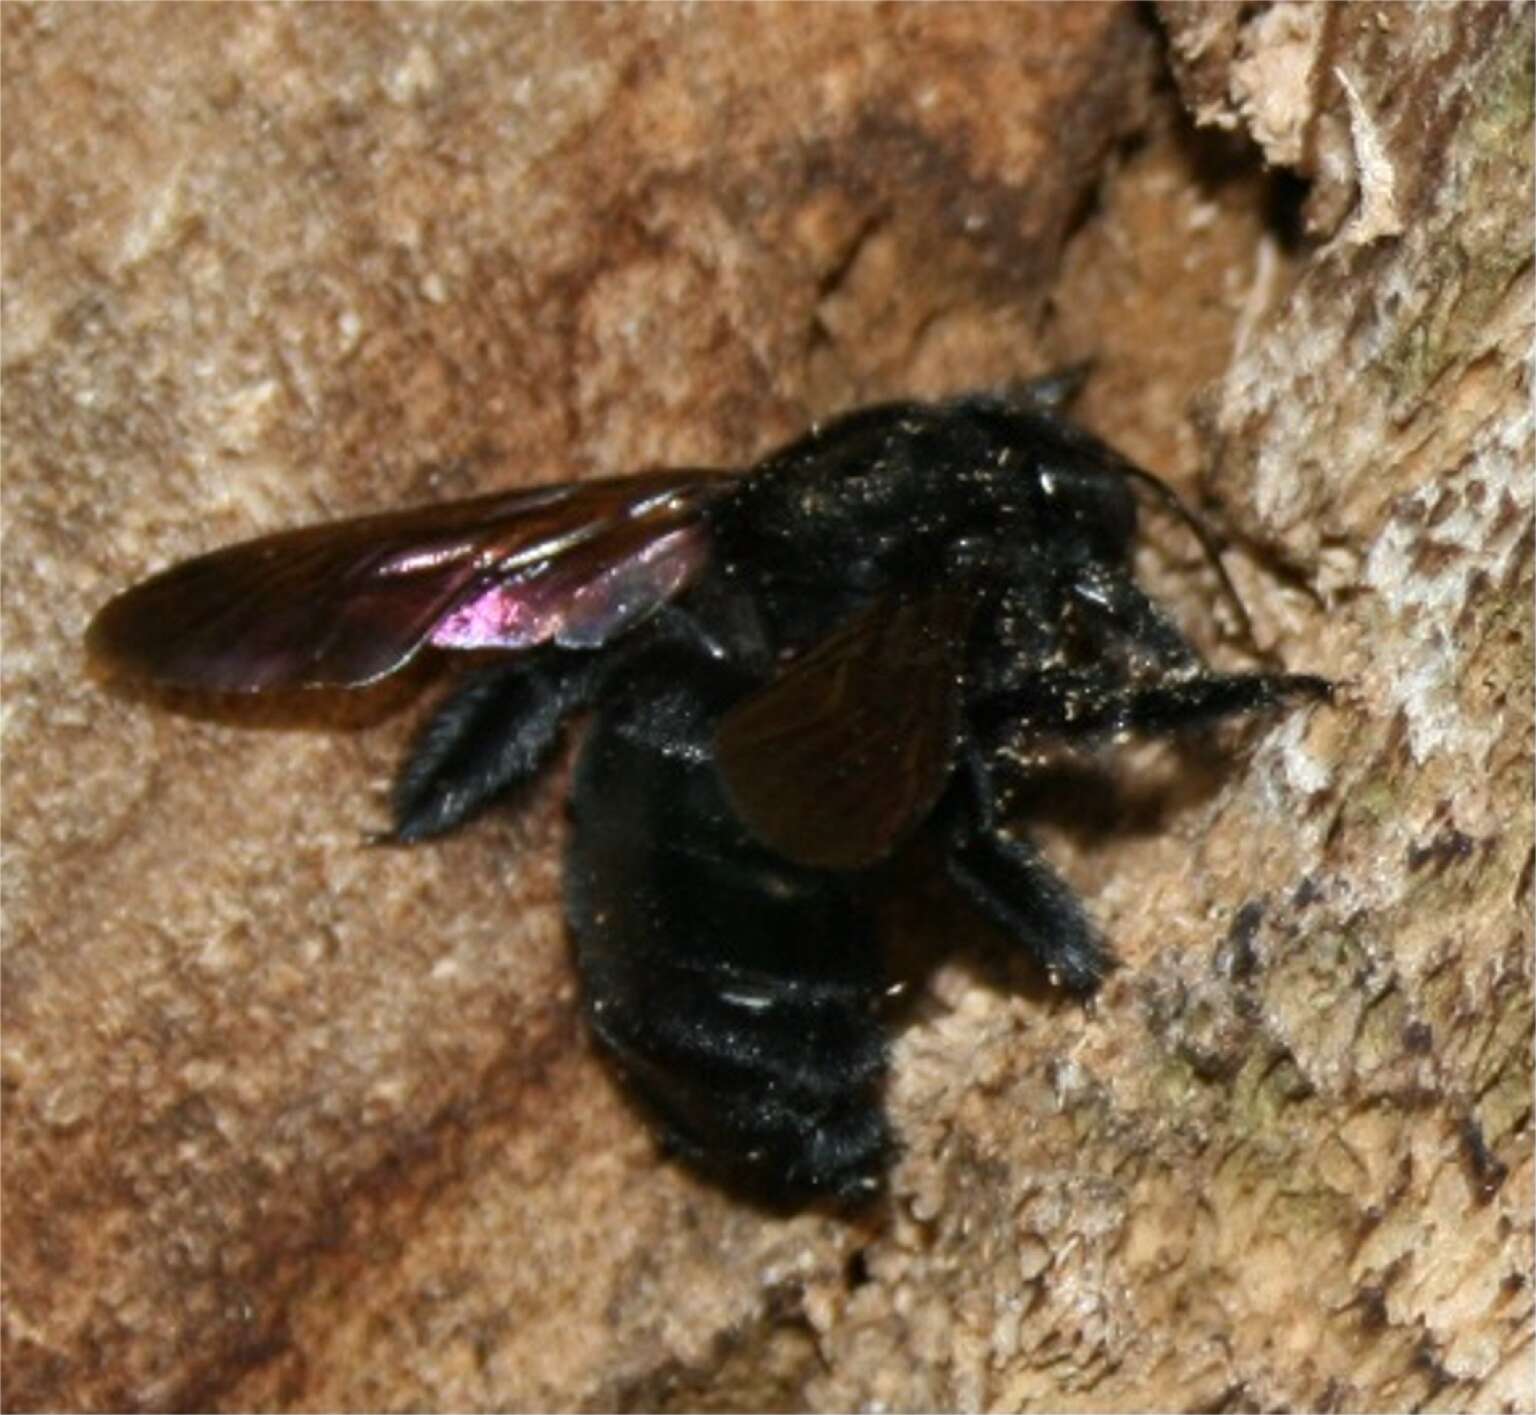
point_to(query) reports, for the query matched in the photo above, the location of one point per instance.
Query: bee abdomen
(737, 991)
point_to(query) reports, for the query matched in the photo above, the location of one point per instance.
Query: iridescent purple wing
(843, 754)
(344, 604)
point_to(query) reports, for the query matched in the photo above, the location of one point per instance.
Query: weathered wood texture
(290, 1123)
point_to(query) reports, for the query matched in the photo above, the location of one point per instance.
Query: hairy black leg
(736, 990)
(1009, 882)
(488, 737)
(1089, 702)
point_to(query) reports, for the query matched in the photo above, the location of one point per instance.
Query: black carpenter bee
(790, 673)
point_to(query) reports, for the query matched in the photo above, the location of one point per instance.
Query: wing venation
(344, 604)
(835, 761)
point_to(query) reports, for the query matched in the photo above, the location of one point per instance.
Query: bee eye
(1092, 503)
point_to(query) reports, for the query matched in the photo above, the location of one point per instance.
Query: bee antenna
(1175, 503)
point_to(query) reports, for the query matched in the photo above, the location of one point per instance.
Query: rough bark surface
(291, 1123)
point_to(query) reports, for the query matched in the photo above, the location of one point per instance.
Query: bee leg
(1009, 882)
(1088, 703)
(1047, 395)
(1055, 391)
(1112, 611)
(1205, 699)
(720, 623)
(488, 737)
(736, 991)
